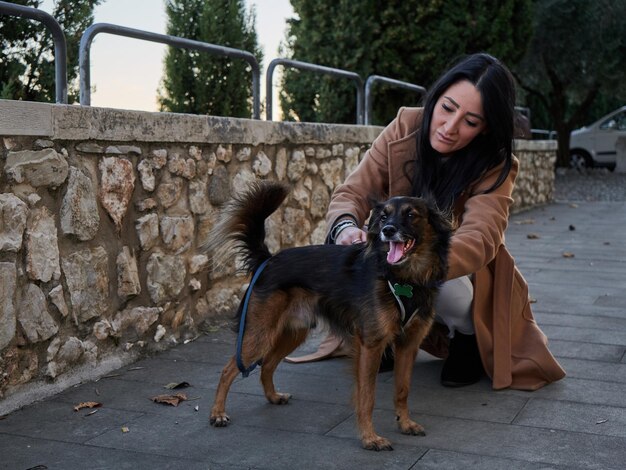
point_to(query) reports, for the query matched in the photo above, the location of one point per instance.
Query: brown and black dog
(372, 294)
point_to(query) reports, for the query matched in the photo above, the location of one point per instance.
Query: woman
(459, 149)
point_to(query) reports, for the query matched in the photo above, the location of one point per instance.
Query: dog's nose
(389, 231)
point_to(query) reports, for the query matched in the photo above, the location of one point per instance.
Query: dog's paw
(219, 420)
(412, 428)
(279, 398)
(377, 443)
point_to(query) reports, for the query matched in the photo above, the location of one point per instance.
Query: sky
(126, 72)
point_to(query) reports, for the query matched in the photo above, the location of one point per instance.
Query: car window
(616, 122)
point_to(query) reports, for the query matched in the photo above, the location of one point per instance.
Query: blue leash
(242, 322)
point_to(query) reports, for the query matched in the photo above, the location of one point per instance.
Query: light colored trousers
(453, 306)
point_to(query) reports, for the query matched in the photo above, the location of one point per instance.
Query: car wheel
(580, 160)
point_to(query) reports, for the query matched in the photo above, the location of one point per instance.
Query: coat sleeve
(370, 179)
(484, 219)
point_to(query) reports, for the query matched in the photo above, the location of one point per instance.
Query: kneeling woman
(458, 147)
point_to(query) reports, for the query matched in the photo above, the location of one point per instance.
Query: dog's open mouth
(398, 250)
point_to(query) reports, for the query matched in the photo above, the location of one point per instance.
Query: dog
(374, 294)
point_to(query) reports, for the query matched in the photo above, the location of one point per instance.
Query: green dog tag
(405, 290)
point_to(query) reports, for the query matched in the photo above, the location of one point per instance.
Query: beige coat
(513, 349)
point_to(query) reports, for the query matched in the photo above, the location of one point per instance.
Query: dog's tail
(241, 228)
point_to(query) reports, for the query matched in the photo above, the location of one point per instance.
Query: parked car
(594, 145)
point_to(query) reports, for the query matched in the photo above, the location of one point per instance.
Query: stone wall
(102, 213)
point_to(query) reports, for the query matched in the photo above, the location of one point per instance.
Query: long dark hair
(446, 179)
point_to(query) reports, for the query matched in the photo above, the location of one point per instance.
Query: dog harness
(242, 323)
(399, 291)
(403, 293)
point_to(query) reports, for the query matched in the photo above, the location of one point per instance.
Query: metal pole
(60, 45)
(369, 83)
(314, 68)
(175, 41)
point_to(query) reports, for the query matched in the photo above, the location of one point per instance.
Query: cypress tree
(408, 40)
(203, 83)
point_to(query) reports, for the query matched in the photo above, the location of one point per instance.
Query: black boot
(463, 365)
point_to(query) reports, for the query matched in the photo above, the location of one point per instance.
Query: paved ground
(577, 423)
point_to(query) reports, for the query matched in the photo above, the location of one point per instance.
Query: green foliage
(27, 51)
(202, 83)
(409, 40)
(573, 71)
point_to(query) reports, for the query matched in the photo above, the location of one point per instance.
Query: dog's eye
(383, 217)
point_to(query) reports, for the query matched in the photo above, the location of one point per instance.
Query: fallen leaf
(173, 400)
(174, 385)
(125, 429)
(532, 236)
(568, 254)
(532, 301)
(574, 206)
(91, 413)
(600, 421)
(196, 408)
(525, 222)
(87, 404)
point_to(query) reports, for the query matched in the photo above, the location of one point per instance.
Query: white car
(595, 145)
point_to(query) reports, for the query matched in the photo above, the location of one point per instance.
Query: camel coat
(513, 349)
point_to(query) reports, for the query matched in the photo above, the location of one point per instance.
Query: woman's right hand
(351, 236)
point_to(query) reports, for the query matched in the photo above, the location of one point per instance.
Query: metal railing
(314, 68)
(175, 41)
(363, 91)
(60, 45)
(369, 83)
(550, 135)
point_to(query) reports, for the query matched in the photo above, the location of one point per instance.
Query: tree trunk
(562, 153)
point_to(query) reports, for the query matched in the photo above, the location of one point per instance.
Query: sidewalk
(579, 422)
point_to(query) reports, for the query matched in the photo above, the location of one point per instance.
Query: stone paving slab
(576, 423)
(27, 453)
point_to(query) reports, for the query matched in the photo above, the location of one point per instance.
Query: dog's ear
(374, 221)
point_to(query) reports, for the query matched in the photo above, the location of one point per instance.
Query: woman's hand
(351, 236)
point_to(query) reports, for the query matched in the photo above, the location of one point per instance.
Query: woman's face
(457, 118)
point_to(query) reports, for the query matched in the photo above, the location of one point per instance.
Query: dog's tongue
(395, 252)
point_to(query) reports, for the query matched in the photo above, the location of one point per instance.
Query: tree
(202, 83)
(574, 66)
(27, 51)
(409, 40)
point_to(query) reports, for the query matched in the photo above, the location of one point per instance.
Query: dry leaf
(174, 385)
(173, 400)
(532, 236)
(91, 413)
(532, 301)
(600, 421)
(568, 254)
(574, 206)
(125, 429)
(525, 222)
(87, 404)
